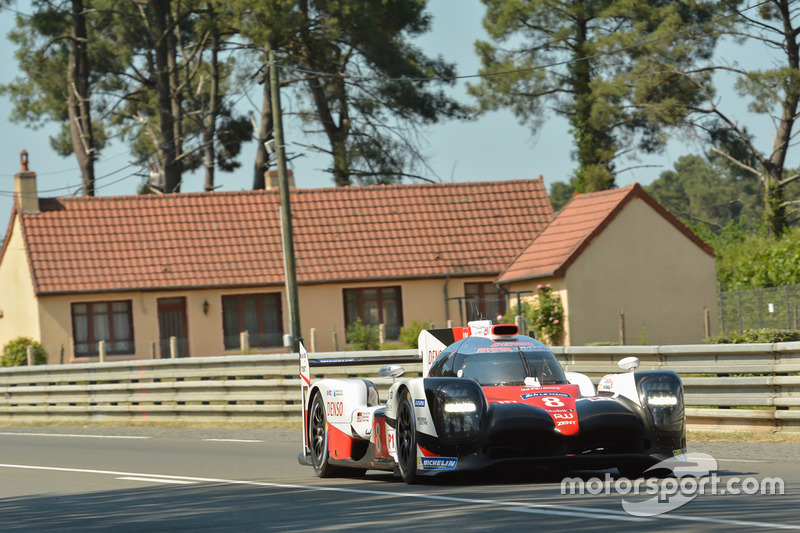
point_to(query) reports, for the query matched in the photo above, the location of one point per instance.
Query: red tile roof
(231, 239)
(575, 227)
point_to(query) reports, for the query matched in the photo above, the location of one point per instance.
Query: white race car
(490, 397)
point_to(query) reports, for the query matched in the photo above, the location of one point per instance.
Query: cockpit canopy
(499, 362)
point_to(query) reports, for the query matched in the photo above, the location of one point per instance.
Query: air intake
(505, 329)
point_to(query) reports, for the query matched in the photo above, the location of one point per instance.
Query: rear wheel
(406, 440)
(318, 438)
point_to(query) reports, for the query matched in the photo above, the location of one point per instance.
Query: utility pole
(287, 235)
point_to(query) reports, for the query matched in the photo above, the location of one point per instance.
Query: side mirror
(391, 371)
(629, 363)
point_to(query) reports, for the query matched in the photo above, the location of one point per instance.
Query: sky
(493, 147)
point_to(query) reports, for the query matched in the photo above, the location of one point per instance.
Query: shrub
(363, 336)
(547, 316)
(409, 335)
(765, 335)
(15, 353)
(512, 312)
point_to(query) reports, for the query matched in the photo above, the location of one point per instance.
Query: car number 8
(552, 402)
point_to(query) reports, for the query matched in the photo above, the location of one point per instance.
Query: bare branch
(746, 167)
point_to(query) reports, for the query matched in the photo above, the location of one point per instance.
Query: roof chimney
(271, 179)
(25, 187)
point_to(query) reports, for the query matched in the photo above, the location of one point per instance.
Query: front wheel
(318, 438)
(407, 440)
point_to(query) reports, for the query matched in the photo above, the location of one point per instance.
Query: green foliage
(363, 336)
(560, 194)
(708, 192)
(756, 336)
(409, 335)
(747, 260)
(15, 352)
(546, 316)
(615, 103)
(512, 312)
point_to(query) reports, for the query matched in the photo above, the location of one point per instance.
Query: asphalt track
(159, 479)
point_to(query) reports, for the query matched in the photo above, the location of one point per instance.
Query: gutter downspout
(446, 300)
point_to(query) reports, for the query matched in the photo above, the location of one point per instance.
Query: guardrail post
(313, 339)
(449, 323)
(173, 347)
(381, 334)
(244, 342)
(622, 327)
(29, 350)
(335, 340)
(101, 348)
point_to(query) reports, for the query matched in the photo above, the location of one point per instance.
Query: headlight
(662, 394)
(460, 409)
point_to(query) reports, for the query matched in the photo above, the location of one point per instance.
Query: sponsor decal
(551, 411)
(565, 423)
(362, 417)
(606, 384)
(599, 399)
(335, 408)
(419, 403)
(541, 394)
(495, 349)
(563, 416)
(422, 421)
(512, 344)
(338, 392)
(437, 463)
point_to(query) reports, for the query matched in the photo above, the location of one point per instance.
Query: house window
(484, 298)
(260, 315)
(375, 305)
(93, 322)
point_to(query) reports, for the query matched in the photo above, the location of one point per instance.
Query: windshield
(505, 363)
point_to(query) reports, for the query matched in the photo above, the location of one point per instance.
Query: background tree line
(164, 76)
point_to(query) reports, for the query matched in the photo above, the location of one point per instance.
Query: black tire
(318, 439)
(406, 439)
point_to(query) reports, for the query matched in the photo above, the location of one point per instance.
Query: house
(626, 271)
(187, 274)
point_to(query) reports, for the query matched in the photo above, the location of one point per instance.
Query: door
(172, 323)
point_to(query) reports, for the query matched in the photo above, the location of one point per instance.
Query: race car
(490, 397)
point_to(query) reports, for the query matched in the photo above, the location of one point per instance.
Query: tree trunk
(210, 131)
(168, 149)
(594, 146)
(78, 101)
(264, 133)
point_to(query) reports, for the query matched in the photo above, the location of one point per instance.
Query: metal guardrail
(731, 387)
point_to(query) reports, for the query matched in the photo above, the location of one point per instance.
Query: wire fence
(772, 307)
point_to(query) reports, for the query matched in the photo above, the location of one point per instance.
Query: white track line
(565, 510)
(158, 480)
(232, 440)
(75, 436)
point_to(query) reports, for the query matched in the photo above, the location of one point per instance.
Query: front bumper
(612, 434)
